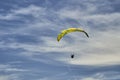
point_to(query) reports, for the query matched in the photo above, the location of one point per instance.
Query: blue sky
(28, 46)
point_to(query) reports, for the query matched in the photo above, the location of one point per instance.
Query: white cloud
(102, 45)
(84, 16)
(74, 14)
(101, 49)
(103, 76)
(4, 77)
(10, 68)
(97, 50)
(97, 59)
(8, 17)
(90, 79)
(32, 10)
(109, 20)
(10, 77)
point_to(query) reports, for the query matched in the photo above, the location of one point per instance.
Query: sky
(29, 49)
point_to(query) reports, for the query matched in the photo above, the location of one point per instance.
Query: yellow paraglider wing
(69, 30)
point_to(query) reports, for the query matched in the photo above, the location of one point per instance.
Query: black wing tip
(86, 34)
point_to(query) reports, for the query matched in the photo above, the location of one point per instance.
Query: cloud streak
(91, 48)
(29, 34)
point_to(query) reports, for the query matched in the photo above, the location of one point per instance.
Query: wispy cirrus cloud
(8, 72)
(42, 28)
(10, 68)
(37, 37)
(28, 34)
(10, 77)
(32, 10)
(103, 76)
(5, 77)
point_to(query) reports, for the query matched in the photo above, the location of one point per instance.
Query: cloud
(10, 68)
(28, 35)
(43, 28)
(9, 77)
(103, 76)
(104, 20)
(99, 50)
(4, 77)
(8, 17)
(32, 10)
(90, 79)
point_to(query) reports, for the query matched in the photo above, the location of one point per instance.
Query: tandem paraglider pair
(69, 30)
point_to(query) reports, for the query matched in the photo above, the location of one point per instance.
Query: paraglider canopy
(69, 30)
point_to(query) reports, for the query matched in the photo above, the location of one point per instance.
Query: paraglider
(69, 30)
(72, 55)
